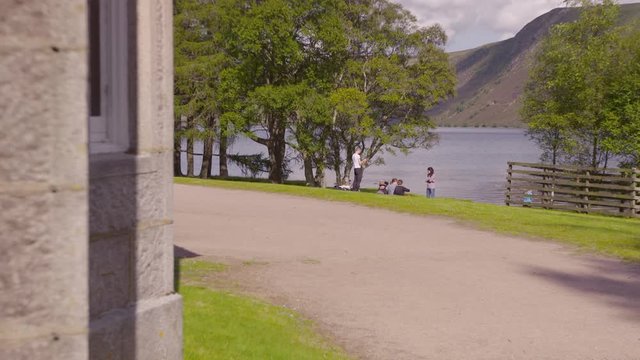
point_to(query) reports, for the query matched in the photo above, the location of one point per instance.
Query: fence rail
(609, 191)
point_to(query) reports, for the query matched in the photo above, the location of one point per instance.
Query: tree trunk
(348, 166)
(594, 153)
(207, 155)
(335, 149)
(308, 171)
(177, 146)
(224, 169)
(319, 178)
(190, 151)
(277, 148)
(177, 171)
(348, 163)
(188, 125)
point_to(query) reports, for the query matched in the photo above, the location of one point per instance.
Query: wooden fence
(586, 190)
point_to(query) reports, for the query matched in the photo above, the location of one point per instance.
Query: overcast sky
(470, 23)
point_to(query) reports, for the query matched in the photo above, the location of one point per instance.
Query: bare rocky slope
(491, 78)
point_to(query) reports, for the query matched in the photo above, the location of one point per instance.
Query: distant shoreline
(482, 128)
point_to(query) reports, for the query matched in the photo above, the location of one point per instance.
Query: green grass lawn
(221, 325)
(613, 236)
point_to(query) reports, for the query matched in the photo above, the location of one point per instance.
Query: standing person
(358, 168)
(431, 183)
(400, 189)
(392, 187)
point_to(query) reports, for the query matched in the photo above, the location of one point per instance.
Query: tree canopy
(582, 97)
(312, 79)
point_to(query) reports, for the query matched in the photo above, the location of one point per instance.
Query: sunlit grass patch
(222, 325)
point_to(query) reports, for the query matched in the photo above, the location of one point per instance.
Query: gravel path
(395, 286)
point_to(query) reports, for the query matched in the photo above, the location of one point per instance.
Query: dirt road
(395, 286)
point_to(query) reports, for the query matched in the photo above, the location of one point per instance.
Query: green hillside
(491, 78)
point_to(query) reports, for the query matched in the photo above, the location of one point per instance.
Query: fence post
(625, 211)
(509, 174)
(545, 200)
(635, 184)
(587, 205)
(552, 193)
(574, 185)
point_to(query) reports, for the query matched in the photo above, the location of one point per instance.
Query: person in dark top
(400, 190)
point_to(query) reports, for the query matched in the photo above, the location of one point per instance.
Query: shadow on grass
(612, 282)
(180, 253)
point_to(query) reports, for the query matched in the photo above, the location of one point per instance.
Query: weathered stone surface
(150, 329)
(112, 335)
(51, 346)
(131, 198)
(153, 199)
(155, 85)
(112, 205)
(22, 23)
(45, 300)
(110, 271)
(43, 86)
(43, 282)
(159, 329)
(136, 189)
(43, 180)
(154, 262)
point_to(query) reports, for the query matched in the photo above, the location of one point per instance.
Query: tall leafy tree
(208, 87)
(314, 76)
(394, 72)
(270, 57)
(309, 131)
(622, 112)
(197, 63)
(579, 102)
(325, 49)
(281, 46)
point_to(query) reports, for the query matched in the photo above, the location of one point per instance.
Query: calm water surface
(470, 163)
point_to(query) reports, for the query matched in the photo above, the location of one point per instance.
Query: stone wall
(134, 311)
(43, 180)
(86, 250)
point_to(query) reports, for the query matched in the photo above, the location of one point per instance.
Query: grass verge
(613, 236)
(221, 325)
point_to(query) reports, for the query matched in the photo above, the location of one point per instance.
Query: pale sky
(470, 23)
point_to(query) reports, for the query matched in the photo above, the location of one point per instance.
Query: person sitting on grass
(400, 190)
(382, 187)
(392, 187)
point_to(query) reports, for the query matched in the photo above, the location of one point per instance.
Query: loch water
(470, 163)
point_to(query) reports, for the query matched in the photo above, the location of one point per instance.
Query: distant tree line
(307, 79)
(582, 102)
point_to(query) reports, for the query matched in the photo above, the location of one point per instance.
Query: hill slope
(491, 78)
